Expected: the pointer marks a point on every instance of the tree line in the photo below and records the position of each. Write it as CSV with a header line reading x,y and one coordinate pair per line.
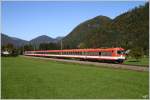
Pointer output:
x,y
14,51
135,53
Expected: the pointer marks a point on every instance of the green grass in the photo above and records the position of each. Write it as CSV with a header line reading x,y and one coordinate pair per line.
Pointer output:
x,y
142,62
35,78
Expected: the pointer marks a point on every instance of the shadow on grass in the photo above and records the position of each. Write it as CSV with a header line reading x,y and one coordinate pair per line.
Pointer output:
x,y
133,61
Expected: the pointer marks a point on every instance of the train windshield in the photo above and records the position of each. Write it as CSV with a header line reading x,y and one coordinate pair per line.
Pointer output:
x,y
121,52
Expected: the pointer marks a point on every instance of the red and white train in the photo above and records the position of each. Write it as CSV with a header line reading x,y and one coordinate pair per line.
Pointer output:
x,y
102,54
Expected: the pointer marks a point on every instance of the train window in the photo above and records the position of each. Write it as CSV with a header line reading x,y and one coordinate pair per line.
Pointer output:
x,y
82,53
94,53
79,53
121,52
87,53
106,53
49,53
76,53
90,53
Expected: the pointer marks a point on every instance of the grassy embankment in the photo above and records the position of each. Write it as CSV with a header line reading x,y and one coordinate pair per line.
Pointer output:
x,y
36,78
141,62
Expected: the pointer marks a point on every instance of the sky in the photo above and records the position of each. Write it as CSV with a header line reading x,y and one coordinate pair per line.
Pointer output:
x,y
29,19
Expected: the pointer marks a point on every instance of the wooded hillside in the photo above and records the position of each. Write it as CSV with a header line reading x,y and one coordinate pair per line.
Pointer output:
x,y
128,30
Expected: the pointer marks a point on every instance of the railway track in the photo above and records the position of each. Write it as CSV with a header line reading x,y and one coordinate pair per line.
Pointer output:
x,y
97,64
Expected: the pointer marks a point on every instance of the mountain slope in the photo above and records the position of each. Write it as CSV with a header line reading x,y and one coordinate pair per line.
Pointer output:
x,y
5,39
80,33
128,30
44,39
133,27
41,39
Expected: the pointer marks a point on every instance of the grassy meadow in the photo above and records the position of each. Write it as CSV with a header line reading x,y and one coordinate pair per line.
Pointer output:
x,y
36,78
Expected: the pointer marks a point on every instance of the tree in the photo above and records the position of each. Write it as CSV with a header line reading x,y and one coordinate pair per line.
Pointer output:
x,y
28,47
48,46
11,49
81,46
136,53
43,46
15,52
8,47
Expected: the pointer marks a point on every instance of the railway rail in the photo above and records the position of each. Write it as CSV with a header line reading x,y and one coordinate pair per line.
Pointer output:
x,y
97,64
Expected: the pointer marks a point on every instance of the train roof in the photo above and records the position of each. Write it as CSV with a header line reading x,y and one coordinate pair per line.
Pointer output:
x,y
81,50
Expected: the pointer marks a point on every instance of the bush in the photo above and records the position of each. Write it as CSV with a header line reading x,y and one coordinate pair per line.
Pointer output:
x,y
136,53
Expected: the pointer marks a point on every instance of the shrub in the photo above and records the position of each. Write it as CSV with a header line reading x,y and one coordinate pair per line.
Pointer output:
x,y
136,53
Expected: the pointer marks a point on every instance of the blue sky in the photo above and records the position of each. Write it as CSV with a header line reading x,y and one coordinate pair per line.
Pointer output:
x,y
29,19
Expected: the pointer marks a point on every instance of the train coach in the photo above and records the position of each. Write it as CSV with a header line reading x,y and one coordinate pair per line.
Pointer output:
x,y
102,54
